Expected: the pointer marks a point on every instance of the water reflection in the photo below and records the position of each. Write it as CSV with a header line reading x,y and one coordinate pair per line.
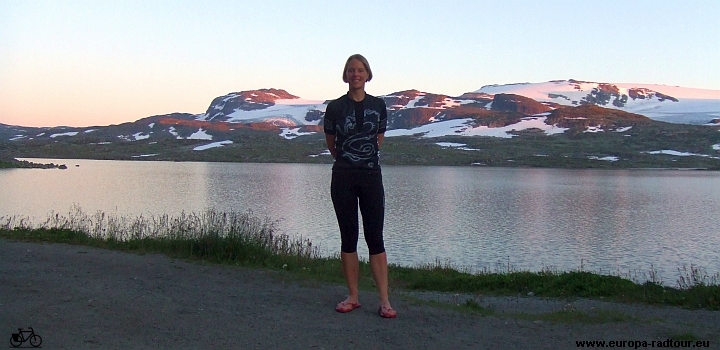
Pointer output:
x,y
116,187
607,221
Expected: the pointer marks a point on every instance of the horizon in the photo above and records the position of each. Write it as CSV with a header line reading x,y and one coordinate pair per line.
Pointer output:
x,y
91,63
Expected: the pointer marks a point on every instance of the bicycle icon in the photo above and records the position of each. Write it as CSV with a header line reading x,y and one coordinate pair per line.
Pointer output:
x,y
18,338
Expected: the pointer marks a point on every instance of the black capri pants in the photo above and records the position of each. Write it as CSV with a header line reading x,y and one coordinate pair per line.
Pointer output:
x,y
350,187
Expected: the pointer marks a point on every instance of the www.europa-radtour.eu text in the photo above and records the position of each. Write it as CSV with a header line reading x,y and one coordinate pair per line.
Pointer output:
x,y
637,344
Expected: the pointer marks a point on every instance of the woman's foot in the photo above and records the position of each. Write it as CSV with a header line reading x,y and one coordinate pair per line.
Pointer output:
x,y
347,305
386,311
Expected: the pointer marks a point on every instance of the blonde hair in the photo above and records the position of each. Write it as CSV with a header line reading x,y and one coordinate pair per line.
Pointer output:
x,y
362,60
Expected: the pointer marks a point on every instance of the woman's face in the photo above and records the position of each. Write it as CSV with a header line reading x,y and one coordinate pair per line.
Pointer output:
x,y
356,74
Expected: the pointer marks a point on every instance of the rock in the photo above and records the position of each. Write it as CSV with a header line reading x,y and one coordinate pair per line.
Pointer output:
x,y
517,103
588,115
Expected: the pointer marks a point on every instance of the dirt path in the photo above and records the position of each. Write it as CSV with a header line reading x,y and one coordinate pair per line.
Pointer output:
x,y
80,297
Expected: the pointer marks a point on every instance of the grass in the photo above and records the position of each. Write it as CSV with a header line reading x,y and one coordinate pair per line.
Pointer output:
x,y
239,238
572,316
246,240
688,336
470,305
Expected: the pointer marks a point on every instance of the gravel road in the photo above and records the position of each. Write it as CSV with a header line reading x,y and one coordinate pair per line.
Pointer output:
x,y
78,297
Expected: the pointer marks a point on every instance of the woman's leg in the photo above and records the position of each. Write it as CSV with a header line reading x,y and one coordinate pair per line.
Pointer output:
x,y
378,265
346,209
351,269
372,207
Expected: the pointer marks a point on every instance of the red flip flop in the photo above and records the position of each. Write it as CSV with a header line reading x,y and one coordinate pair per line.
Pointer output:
x,y
344,307
387,312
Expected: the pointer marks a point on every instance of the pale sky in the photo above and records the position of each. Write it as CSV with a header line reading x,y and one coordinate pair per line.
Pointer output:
x,y
97,62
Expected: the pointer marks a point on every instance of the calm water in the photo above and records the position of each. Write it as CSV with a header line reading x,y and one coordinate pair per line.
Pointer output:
x,y
608,221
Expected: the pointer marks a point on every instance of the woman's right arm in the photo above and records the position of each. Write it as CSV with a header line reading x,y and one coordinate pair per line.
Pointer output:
x,y
329,127
330,140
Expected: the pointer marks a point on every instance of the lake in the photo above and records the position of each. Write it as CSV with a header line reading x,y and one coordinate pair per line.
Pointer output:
x,y
609,221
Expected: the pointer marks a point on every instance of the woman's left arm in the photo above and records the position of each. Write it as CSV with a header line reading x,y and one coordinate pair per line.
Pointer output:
x,y
383,123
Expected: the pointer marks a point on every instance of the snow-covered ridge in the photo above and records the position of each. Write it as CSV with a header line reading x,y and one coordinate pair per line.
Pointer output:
x,y
660,102
539,91
265,105
418,99
413,112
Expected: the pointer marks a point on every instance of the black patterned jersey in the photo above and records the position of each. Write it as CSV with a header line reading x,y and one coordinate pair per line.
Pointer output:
x,y
356,126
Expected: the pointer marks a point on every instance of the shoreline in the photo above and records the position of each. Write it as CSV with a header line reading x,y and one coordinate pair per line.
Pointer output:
x,y
55,166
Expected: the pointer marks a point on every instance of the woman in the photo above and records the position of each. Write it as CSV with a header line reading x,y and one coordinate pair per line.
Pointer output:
x,y
354,129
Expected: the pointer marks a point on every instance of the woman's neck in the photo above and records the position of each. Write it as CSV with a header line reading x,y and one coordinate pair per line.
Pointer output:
x,y
357,94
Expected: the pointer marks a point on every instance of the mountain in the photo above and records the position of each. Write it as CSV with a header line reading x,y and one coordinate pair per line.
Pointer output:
x,y
410,112
259,124
659,102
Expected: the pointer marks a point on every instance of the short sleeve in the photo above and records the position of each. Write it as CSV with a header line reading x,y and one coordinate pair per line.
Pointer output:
x,y
329,119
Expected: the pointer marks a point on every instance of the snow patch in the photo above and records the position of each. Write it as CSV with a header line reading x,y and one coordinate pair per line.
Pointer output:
x,y
291,110
200,135
466,127
146,155
134,137
449,144
450,103
325,153
716,147
672,153
69,133
623,129
290,134
140,136
212,145
594,129
680,154
459,146
444,104
608,158
297,102
417,99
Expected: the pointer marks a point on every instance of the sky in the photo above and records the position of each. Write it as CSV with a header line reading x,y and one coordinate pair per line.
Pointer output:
x,y
99,62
